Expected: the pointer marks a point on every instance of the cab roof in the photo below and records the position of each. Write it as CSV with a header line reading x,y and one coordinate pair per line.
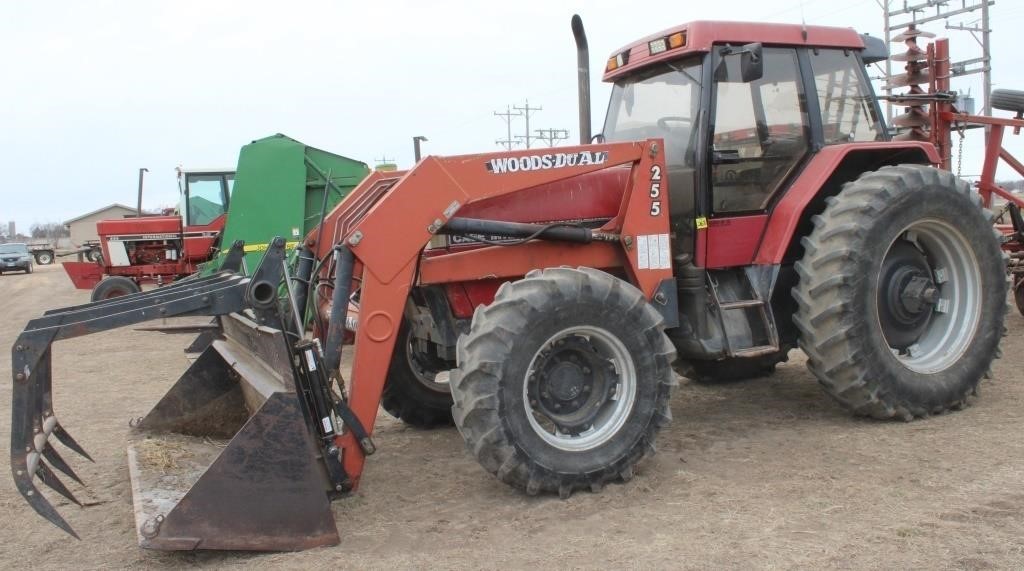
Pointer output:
x,y
701,35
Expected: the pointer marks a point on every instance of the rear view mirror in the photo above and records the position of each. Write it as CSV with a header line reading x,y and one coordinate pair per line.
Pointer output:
x,y
751,62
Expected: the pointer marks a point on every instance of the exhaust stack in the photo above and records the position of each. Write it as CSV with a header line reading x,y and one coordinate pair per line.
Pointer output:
x,y
582,76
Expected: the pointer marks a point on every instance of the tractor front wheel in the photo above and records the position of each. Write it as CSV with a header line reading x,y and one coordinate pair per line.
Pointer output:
x,y
563,381
114,286
902,293
417,391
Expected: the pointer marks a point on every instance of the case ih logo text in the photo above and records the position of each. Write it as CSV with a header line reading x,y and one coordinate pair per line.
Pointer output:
x,y
547,161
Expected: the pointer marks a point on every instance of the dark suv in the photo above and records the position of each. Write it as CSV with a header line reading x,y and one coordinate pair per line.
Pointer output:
x,y
15,257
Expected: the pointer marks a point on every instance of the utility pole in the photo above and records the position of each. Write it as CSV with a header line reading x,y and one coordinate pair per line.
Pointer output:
x,y
416,146
138,212
525,111
985,45
552,136
384,164
508,141
932,10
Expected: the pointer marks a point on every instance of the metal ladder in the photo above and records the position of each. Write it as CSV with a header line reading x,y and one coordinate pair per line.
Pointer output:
x,y
764,310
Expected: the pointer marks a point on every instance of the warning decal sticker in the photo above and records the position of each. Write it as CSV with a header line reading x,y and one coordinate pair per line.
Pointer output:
x,y
653,252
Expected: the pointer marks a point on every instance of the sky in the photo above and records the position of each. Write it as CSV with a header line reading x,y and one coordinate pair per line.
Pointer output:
x,y
93,90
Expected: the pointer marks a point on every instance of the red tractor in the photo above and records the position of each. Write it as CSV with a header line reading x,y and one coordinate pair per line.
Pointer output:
x,y
743,198
158,249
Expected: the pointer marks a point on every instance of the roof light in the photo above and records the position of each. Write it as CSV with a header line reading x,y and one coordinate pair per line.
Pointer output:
x,y
617,61
676,40
660,45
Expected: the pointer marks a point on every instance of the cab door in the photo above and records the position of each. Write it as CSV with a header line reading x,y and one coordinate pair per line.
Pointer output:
x,y
760,135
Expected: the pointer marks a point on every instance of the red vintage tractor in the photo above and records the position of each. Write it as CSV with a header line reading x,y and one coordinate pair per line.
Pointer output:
x,y
158,249
743,198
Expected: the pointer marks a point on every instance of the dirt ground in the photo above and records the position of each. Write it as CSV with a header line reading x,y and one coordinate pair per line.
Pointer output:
x,y
764,474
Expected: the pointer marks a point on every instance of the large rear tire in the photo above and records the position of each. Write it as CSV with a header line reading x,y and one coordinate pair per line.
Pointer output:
x,y
1018,293
415,392
114,286
563,381
902,293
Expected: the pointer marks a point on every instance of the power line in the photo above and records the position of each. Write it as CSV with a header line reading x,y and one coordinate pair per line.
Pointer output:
x,y
552,136
525,111
508,141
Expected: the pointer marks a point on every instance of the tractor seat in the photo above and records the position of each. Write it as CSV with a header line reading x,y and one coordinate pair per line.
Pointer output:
x,y
1008,100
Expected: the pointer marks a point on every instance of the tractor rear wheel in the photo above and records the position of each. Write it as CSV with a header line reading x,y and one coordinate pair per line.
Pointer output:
x,y
563,381
707,372
114,286
417,391
1018,293
902,293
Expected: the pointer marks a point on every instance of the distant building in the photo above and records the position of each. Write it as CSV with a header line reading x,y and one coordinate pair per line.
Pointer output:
x,y
83,228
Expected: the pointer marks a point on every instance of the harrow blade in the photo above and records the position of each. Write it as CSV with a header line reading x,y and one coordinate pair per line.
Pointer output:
x,y
913,118
911,34
907,79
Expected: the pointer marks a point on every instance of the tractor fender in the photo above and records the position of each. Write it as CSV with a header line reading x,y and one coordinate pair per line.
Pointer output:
x,y
822,177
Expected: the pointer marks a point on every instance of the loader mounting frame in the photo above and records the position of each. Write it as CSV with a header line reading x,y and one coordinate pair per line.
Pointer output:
x,y
386,264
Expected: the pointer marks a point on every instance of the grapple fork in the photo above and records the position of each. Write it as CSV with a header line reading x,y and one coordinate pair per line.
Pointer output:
x,y
272,428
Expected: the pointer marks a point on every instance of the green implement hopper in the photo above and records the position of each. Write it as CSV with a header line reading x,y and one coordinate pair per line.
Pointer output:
x,y
279,191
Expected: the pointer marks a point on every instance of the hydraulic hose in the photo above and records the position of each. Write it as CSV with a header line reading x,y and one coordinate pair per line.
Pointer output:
x,y
345,261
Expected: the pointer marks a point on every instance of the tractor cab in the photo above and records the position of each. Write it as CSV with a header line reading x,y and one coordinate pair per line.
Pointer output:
x,y
741,111
204,194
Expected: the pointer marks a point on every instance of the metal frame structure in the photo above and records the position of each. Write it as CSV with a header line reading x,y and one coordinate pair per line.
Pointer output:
x,y
426,199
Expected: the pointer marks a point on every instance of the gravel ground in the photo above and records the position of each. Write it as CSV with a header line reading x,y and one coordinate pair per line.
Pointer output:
x,y
763,474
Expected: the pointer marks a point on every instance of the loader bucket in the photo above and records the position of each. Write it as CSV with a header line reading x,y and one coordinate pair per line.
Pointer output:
x,y
225,459
230,457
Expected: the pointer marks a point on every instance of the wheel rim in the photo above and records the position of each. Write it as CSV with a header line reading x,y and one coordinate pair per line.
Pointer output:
x,y
579,388
429,370
117,292
45,259
929,296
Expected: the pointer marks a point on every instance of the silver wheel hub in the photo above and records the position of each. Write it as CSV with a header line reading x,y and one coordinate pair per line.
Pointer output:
x,y
929,296
580,388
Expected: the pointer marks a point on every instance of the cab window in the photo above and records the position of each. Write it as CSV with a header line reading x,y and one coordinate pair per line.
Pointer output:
x,y
761,131
205,198
848,112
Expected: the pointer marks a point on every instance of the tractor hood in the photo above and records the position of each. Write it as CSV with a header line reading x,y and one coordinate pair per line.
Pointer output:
x,y
140,226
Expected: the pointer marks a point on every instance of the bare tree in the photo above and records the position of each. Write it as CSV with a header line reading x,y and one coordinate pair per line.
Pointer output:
x,y
49,230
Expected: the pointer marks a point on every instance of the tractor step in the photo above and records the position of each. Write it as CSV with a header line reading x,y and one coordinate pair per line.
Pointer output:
x,y
742,304
755,351
747,292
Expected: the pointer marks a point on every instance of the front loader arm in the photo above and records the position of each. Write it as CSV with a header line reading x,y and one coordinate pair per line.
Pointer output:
x,y
385,224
